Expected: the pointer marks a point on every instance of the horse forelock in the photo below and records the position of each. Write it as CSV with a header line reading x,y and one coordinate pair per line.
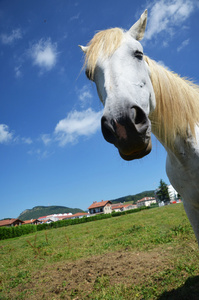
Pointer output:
x,y
103,44
177,104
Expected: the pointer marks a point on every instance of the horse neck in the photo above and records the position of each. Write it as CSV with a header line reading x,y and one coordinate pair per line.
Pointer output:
x,y
177,105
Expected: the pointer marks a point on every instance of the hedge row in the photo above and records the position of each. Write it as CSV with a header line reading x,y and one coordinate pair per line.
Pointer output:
x,y
11,232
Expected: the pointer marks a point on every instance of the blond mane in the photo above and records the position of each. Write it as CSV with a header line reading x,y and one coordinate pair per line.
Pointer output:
x,y
104,44
177,104
177,99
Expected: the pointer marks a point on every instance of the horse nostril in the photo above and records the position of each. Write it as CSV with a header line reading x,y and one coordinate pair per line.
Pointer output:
x,y
138,115
139,120
108,130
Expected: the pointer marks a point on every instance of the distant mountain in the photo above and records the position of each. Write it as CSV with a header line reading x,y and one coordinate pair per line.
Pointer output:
x,y
133,198
40,211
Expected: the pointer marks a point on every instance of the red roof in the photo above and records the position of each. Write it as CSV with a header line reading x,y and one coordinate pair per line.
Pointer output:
x,y
79,214
99,204
117,206
146,199
41,218
131,204
62,217
9,222
120,205
31,221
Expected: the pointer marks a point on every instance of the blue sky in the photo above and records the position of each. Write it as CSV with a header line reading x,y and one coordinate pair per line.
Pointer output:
x,y
51,148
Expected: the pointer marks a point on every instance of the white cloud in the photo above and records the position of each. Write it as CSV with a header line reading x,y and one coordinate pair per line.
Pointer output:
x,y
18,72
40,154
5,135
44,54
27,141
8,136
75,17
76,124
84,95
46,139
184,44
9,39
165,16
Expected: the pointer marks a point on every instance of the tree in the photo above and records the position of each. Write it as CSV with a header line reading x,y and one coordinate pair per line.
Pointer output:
x,y
162,192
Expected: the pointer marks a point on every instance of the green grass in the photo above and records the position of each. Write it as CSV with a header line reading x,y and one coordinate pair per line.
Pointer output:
x,y
164,232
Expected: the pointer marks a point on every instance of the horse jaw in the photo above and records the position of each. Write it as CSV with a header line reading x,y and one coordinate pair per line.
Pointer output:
x,y
138,29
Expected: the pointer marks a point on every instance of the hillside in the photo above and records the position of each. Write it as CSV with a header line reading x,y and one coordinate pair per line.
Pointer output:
x,y
39,211
133,198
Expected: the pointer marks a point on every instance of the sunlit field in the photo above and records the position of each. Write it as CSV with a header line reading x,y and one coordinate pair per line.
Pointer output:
x,y
151,254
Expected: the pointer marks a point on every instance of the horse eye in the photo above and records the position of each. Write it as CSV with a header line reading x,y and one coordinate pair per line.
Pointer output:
x,y
88,74
138,54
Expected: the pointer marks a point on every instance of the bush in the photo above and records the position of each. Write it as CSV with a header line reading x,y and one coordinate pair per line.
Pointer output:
x,y
15,231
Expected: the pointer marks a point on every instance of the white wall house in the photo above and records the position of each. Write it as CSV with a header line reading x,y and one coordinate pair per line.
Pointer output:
x,y
146,201
173,194
122,207
100,207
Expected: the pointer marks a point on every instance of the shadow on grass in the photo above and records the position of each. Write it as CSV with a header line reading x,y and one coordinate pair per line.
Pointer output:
x,y
190,290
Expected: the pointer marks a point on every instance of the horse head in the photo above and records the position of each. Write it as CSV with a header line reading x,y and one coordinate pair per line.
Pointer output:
x,y
114,61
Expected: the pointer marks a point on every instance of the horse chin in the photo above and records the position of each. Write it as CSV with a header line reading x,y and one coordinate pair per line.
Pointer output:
x,y
137,154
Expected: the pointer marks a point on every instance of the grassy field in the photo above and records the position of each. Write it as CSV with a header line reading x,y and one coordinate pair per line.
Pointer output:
x,y
151,254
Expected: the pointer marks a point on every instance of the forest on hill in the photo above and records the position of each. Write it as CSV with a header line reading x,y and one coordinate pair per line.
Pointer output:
x,y
39,211
133,198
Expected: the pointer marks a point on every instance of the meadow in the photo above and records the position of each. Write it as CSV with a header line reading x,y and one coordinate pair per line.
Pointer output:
x,y
151,254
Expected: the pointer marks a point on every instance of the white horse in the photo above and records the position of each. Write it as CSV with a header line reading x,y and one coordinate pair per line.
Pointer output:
x,y
140,96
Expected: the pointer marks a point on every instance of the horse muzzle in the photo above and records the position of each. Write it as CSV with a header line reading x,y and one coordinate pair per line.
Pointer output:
x,y
130,133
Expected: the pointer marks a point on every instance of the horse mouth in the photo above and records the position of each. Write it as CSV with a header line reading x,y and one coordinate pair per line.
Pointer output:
x,y
137,154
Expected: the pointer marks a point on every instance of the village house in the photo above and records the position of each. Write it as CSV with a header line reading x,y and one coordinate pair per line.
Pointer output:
x,y
32,221
11,222
42,219
129,206
117,207
107,207
45,219
100,207
54,217
122,207
58,217
146,201
79,215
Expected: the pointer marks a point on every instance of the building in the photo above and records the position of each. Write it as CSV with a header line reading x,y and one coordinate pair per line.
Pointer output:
x,y
32,221
146,201
54,217
173,194
11,222
129,206
78,215
122,207
42,219
100,207
117,207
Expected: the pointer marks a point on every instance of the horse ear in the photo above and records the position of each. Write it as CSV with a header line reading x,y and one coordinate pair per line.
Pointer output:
x,y
84,49
138,29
